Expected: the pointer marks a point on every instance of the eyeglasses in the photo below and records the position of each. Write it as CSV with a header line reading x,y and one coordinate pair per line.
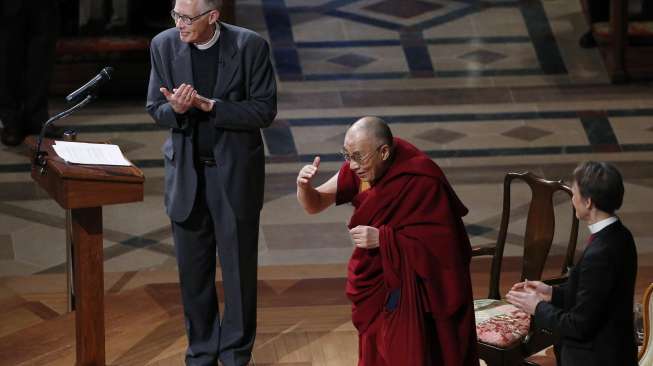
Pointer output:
x,y
357,157
185,18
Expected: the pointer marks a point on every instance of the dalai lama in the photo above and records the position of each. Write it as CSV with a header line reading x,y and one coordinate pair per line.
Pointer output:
x,y
408,277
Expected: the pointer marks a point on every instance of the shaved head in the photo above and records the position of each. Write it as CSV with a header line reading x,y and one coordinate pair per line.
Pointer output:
x,y
373,128
368,148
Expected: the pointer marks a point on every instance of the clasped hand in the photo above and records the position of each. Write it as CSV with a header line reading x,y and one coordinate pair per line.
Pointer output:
x,y
185,97
366,237
526,295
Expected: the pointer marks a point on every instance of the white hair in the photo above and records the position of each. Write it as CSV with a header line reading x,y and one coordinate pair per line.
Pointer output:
x,y
213,4
208,4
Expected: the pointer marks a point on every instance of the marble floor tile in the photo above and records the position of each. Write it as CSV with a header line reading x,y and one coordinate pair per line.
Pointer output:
x,y
306,236
293,213
308,29
138,260
6,247
402,14
303,256
633,130
17,268
463,27
496,134
9,222
251,13
39,245
500,22
381,60
489,93
137,218
316,140
477,57
107,118
304,3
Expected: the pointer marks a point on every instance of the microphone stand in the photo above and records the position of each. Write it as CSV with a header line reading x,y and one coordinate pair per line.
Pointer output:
x,y
39,157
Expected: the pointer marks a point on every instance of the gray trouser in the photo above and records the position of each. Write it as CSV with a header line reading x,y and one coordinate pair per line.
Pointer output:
x,y
212,224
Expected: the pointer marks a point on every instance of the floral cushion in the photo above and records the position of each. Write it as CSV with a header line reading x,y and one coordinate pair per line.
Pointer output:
x,y
499,323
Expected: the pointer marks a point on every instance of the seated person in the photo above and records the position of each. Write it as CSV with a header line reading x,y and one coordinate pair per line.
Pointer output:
x,y
408,277
592,313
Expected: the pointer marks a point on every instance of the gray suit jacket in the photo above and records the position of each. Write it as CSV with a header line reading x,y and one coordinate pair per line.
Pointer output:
x,y
245,95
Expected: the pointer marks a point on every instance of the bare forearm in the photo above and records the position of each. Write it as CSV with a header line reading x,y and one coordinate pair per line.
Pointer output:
x,y
315,200
310,199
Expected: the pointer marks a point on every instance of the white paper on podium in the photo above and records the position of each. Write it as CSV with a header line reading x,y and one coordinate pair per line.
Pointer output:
x,y
86,153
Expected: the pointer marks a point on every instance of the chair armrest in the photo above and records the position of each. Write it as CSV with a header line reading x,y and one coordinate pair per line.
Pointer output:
x,y
485,249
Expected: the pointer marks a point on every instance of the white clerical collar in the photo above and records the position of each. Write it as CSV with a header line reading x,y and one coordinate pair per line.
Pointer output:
x,y
211,42
598,226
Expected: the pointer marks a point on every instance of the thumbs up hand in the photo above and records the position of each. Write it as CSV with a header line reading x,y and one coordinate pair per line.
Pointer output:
x,y
307,173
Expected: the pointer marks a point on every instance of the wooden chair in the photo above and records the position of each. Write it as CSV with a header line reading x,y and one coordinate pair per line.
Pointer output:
x,y
626,45
538,238
646,353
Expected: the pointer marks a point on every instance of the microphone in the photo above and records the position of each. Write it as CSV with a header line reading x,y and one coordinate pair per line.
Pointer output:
x,y
91,87
81,97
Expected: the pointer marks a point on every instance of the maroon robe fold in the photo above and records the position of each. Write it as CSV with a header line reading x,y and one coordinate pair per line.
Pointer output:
x,y
423,257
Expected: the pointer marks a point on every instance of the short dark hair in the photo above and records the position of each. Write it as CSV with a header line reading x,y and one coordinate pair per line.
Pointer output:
x,y
602,183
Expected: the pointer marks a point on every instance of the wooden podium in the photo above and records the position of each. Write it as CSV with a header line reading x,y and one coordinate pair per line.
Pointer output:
x,y
84,189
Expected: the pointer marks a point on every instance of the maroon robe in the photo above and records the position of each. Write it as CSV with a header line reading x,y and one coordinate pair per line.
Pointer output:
x,y
423,258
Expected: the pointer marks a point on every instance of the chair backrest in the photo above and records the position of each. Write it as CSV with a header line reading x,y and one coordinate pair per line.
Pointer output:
x,y
540,229
646,353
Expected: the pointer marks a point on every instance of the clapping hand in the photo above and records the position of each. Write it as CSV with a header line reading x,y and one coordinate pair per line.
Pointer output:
x,y
526,295
543,290
183,98
180,99
202,103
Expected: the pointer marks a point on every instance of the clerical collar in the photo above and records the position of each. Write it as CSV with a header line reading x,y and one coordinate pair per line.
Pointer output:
x,y
598,226
211,42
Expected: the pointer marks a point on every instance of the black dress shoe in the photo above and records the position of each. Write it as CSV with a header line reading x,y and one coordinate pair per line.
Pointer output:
x,y
587,40
12,136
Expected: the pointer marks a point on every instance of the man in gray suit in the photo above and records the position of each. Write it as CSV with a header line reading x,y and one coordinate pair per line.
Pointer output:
x,y
213,85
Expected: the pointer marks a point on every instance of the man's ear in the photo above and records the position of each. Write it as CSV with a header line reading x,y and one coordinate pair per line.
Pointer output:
x,y
385,152
214,16
589,204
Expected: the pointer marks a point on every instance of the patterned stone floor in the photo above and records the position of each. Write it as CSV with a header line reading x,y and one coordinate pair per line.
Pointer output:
x,y
484,87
